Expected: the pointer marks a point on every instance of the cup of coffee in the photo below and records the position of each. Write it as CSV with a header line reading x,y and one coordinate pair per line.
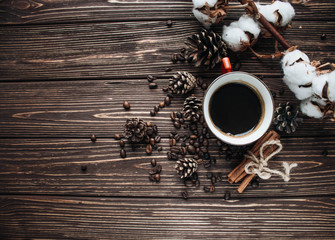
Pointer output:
x,y
238,108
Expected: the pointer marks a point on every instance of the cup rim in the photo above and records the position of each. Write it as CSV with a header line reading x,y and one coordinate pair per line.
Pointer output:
x,y
268,103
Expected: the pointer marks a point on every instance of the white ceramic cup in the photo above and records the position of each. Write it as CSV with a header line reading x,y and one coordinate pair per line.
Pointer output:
x,y
263,94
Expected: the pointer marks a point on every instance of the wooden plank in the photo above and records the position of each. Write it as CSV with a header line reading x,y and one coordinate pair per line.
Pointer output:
x,y
53,166
123,218
130,49
42,11
81,108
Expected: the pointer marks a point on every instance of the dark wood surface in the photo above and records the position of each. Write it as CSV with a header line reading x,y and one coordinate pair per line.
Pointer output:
x,y
65,69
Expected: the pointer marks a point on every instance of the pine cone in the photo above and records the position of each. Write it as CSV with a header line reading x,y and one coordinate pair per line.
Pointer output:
x,y
186,167
192,108
182,82
285,118
136,130
206,49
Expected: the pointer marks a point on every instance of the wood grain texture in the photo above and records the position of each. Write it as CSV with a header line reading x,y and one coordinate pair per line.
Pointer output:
x,y
42,11
75,109
28,217
53,167
131,49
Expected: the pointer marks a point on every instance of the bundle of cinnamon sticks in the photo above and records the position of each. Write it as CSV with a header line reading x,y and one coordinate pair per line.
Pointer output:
x,y
239,173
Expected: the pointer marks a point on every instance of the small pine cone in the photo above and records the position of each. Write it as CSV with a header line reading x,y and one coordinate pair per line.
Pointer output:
x,y
135,130
186,167
206,49
192,109
285,118
182,83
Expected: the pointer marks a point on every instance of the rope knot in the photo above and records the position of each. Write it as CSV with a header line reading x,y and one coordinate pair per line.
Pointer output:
x,y
259,166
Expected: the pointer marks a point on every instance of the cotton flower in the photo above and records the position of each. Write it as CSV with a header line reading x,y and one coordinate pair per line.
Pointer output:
x,y
292,57
237,34
209,12
319,84
312,107
300,93
278,13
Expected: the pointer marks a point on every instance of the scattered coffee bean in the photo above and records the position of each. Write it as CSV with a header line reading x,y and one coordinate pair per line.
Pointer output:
x,y
182,50
148,149
179,115
184,195
123,153
169,23
325,152
188,182
196,157
209,175
149,124
170,95
207,165
204,150
183,151
158,139
172,142
274,94
162,104
152,113
204,86
175,149
177,124
196,145
122,143
153,85
167,101
93,138
207,156
157,169
193,137
323,36
191,149
213,161
206,189
212,189
197,183
156,109
157,177
226,196
168,69
153,162
213,180
151,78
151,178
205,142
83,168
180,57
126,105
174,156
173,116
152,141
182,120
159,149
199,81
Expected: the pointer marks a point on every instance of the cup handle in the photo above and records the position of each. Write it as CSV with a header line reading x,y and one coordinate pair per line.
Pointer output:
x,y
225,65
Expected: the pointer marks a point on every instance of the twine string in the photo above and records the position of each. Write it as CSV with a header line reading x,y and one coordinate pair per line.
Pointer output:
x,y
260,167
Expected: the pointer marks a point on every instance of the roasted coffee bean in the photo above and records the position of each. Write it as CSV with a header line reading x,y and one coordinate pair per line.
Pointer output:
x,y
165,89
193,127
219,177
195,132
323,36
152,141
157,177
150,131
93,138
218,143
196,145
169,155
274,94
83,168
226,196
197,183
170,95
204,86
172,142
173,116
157,169
237,65
201,119
153,162
182,120
190,149
158,139
151,78
182,50
126,105
191,142
188,182
169,23
123,153
201,139
160,148
213,180
196,157
209,175
213,161
208,136
204,149
200,154
212,189
207,165
149,124
152,113
184,195
199,81
180,57
197,150
168,69
204,131
177,137
122,143
179,115
156,109
205,142
177,124
174,156
167,101
162,104
175,149
195,176
206,189
205,125
193,137
325,152
153,85
207,156
183,151
148,149
183,144
151,178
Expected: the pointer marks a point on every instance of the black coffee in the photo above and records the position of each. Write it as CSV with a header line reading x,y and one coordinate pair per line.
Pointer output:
x,y
235,109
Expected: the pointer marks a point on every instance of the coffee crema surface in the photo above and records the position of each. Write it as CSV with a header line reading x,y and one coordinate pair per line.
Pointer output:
x,y
235,109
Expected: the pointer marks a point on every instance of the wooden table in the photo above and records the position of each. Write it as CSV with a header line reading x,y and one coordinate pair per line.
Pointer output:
x,y
65,69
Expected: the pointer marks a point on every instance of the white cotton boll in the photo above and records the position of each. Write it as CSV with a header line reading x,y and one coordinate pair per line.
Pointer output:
x,y
291,57
234,38
286,11
268,12
311,110
300,93
248,24
203,18
200,3
300,73
331,86
319,82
